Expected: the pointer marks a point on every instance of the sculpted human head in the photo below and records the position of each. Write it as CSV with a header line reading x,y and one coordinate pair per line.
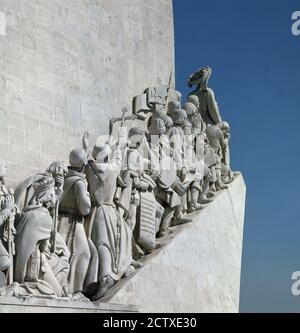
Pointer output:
x,y
200,78
102,153
190,109
78,158
45,191
57,168
193,99
136,136
168,121
157,127
179,117
225,127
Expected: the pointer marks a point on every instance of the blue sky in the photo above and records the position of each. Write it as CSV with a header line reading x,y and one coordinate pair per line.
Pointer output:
x,y
256,79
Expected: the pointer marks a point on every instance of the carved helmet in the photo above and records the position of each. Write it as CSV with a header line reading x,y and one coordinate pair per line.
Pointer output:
x,y
78,158
194,99
179,117
101,151
136,135
157,127
190,109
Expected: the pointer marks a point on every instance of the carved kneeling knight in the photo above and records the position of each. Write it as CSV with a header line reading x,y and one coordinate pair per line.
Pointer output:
x,y
37,271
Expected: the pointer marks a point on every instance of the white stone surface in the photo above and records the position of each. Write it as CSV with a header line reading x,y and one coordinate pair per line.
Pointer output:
x,y
2,24
40,305
68,66
198,268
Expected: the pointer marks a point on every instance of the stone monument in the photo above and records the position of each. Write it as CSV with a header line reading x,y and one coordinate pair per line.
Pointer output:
x,y
147,217
69,66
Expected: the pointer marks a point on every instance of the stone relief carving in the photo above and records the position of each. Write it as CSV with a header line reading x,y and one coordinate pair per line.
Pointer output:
x,y
78,230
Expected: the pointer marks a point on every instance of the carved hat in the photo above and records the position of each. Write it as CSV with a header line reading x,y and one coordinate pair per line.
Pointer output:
x,y
57,167
101,151
179,117
190,109
78,158
173,106
194,99
157,127
136,131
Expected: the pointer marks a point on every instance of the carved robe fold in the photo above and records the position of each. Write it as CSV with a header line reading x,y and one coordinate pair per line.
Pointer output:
x,y
74,206
34,228
108,230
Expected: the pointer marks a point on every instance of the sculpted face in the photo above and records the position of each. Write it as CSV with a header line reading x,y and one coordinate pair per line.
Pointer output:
x,y
200,78
137,139
102,153
3,169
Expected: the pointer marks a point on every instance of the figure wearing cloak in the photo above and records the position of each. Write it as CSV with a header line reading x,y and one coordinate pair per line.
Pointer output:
x,y
108,230
208,107
218,137
197,170
136,196
24,193
75,204
33,260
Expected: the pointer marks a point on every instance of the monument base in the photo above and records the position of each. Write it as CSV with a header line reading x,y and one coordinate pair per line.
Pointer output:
x,y
2,280
197,268
46,305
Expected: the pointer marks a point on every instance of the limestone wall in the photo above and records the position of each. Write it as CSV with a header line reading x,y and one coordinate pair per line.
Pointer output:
x,y
198,267
69,65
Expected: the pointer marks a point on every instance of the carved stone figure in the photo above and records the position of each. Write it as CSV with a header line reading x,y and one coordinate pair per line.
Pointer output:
x,y
178,144
206,156
196,169
191,108
39,271
75,204
164,171
216,139
80,229
7,230
137,199
109,232
24,193
174,101
227,174
208,106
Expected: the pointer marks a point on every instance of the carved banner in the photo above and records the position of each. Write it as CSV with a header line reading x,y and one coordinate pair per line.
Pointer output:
x,y
146,230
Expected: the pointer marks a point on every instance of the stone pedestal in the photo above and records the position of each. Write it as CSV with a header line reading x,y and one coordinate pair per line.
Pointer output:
x,y
44,305
2,280
197,268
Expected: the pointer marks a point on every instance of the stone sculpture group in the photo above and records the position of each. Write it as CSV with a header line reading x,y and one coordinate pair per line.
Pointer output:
x,y
78,230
